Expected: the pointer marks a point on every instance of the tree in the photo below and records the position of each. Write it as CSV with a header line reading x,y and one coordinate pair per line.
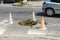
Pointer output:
x,y
57,1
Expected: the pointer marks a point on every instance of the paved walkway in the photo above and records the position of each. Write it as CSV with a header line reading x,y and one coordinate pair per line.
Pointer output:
x,y
36,4
33,4
18,32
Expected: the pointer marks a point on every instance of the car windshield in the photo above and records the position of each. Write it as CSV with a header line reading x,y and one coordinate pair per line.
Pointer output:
x,y
58,1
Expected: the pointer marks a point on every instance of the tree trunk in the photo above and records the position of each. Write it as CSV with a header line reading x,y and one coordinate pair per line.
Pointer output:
x,y
24,1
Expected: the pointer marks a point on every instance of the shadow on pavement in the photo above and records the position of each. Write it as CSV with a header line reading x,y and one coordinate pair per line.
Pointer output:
x,y
43,14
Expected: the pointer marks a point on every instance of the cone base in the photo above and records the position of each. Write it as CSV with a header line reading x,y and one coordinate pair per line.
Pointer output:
x,y
44,28
11,22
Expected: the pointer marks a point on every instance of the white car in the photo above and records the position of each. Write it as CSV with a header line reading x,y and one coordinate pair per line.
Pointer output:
x,y
51,7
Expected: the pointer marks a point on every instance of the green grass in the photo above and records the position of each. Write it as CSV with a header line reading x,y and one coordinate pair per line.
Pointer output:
x,y
19,3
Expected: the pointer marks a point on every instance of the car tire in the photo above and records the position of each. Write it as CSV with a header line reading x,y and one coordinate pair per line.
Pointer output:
x,y
50,12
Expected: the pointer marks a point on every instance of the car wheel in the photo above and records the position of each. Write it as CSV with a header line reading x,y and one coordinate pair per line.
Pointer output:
x,y
50,12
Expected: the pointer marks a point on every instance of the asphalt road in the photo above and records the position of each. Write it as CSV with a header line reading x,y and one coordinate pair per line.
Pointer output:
x,y
19,14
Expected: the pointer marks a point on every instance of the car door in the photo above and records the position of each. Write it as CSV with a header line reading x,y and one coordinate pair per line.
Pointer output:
x,y
56,6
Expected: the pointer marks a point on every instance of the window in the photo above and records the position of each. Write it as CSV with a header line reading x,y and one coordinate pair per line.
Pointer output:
x,y
58,1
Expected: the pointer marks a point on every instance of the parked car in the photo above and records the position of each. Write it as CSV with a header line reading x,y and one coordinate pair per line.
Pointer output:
x,y
51,7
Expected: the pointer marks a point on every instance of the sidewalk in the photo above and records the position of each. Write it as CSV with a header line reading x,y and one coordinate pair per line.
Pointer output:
x,y
18,32
36,4
33,4
6,5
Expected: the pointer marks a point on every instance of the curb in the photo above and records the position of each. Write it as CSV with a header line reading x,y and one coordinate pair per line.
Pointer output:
x,y
21,6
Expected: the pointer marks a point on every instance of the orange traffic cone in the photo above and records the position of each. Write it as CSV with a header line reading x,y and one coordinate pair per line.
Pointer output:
x,y
42,26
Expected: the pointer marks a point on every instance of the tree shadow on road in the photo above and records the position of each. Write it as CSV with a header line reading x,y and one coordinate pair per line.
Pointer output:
x,y
43,14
